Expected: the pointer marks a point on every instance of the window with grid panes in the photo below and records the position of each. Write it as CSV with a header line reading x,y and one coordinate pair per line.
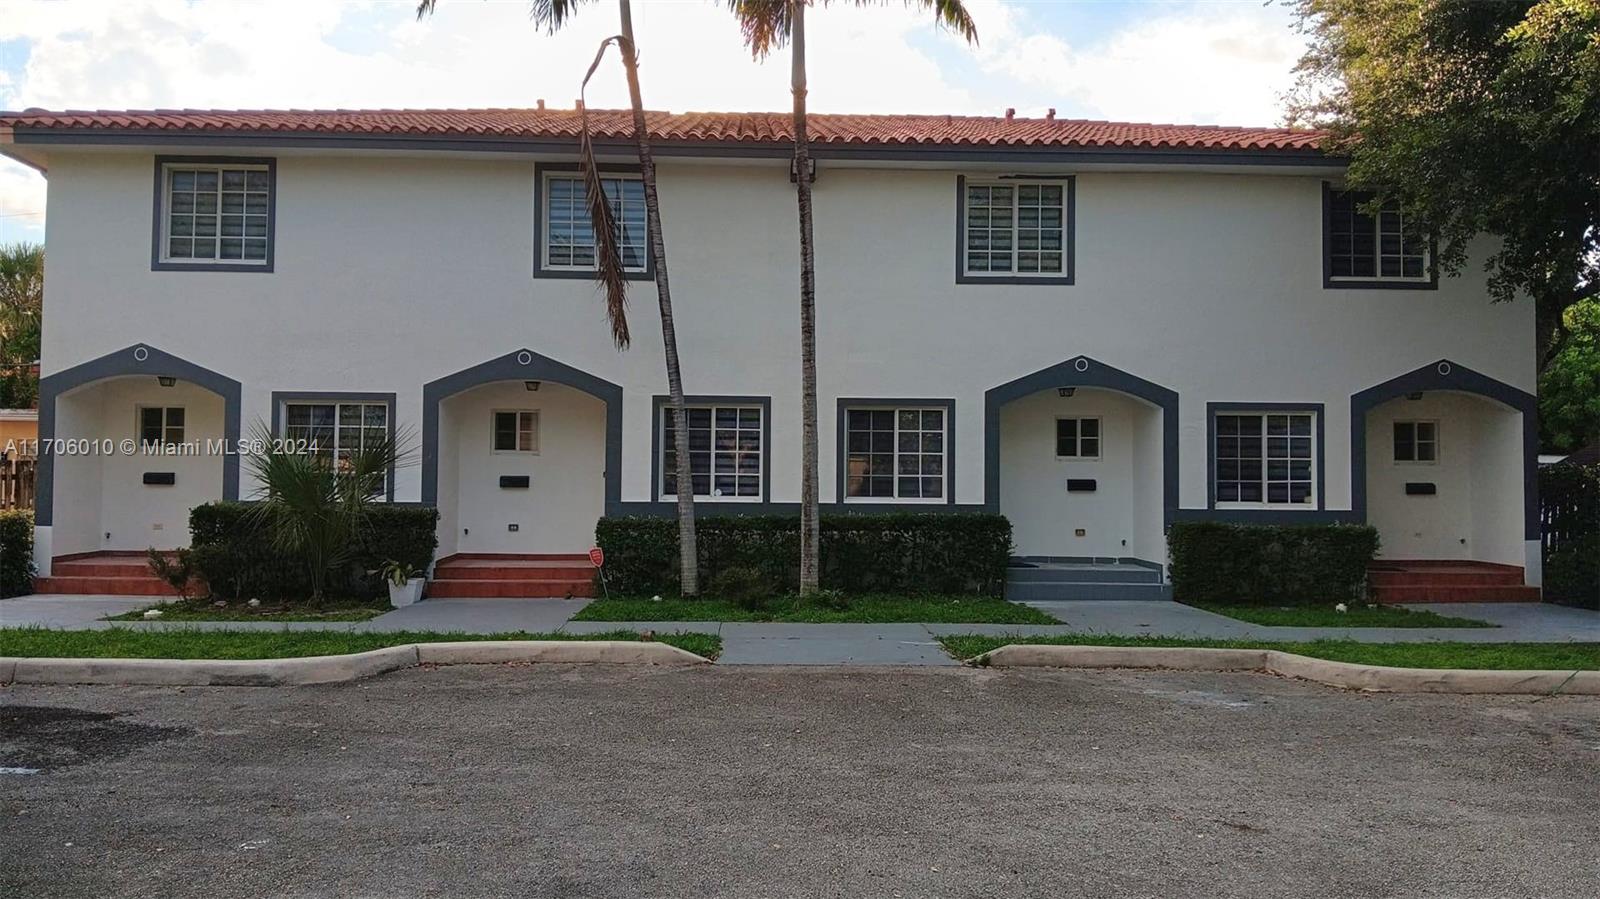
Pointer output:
x,y
1365,247
516,431
1078,438
333,431
160,425
1015,228
1265,458
724,452
895,453
569,231
216,214
1416,441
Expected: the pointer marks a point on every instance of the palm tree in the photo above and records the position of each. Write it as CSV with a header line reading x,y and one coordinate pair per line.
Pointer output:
x,y
768,24
551,15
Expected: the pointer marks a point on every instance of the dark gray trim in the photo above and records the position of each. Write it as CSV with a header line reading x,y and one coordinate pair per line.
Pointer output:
x,y
1268,516
1288,513
159,204
754,149
949,407
1447,375
521,365
666,510
659,402
1331,283
540,170
139,359
1082,371
1071,238
279,397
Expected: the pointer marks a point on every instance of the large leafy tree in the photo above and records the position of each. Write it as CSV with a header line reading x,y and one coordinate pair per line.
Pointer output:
x,y
1569,389
551,15
21,317
1478,116
767,25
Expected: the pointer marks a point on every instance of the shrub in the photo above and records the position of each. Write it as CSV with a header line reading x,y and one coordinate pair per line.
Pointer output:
x,y
908,553
746,587
1572,573
16,552
1254,564
237,561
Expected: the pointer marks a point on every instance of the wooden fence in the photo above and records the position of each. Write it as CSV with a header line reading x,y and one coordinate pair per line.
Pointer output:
x,y
16,481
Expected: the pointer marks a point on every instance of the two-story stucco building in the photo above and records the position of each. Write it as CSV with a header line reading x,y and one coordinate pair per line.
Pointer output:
x,y
1094,328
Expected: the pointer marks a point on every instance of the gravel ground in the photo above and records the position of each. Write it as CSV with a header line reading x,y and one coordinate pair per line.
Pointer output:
x,y
767,782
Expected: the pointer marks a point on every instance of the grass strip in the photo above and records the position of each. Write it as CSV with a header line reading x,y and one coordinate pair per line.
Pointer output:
x,y
1495,656
1328,616
866,609
173,643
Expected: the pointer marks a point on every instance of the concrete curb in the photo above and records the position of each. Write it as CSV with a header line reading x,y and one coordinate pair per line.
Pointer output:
x,y
1346,675
336,669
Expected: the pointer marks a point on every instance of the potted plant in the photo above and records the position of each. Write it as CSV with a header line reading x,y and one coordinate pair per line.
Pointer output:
x,y
405,583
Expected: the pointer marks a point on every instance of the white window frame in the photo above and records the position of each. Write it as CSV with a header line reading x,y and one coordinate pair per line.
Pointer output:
x,y
166,427
1064,184
663,415
1377,236
1394,449
583,215
1099,438
944,455
165,256
532,430
1311,501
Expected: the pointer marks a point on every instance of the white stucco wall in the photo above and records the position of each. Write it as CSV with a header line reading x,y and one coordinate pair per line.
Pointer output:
x,y
394,270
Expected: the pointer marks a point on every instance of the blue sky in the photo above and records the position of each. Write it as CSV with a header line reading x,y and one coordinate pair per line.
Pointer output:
x,y
1223,61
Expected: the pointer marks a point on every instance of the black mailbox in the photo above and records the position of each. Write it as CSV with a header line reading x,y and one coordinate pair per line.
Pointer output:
x,y
1081,485
1421,488
160,478
513,482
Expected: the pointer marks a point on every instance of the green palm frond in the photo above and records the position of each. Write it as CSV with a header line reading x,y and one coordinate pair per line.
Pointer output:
x,y
768,24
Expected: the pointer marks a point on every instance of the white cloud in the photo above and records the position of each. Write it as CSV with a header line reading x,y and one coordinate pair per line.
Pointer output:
x,y
1181,65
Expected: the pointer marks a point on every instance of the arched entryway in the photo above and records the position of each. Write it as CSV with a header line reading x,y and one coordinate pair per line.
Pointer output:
x,y
138,438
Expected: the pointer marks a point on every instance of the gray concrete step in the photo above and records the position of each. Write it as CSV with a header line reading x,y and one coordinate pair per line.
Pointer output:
x,y
1066,590
1083,574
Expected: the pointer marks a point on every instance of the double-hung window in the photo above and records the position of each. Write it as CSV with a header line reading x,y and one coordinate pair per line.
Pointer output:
x,y
160,425
1416,441
335,431
1265,459
569,240
895,453
516,431
214,214
1016,230
1373,247
1078,438
725,452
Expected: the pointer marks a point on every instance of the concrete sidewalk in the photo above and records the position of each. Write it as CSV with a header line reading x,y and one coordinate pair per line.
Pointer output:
x,y
776,643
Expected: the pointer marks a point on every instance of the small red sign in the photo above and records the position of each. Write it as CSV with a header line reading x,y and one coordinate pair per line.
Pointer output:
x,y
597,557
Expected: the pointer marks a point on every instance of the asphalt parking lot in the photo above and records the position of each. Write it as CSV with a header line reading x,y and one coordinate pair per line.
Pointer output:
x,y
775,782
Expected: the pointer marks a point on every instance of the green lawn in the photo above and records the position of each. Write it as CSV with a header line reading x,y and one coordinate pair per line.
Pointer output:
x,y
200,610
129,643
1503,656
870,609
1327,616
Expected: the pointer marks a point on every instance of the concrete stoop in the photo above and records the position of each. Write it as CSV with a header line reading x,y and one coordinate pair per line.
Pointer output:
x,y
335,669
1346,675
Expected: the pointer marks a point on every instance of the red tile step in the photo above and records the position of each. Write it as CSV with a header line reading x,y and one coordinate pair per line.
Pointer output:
x,y
1417,581
526,576
110,573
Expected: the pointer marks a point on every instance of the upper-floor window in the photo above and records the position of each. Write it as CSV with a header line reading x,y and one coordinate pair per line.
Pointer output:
x,y
1016,230
1265,459
1368,247
214,214
569,241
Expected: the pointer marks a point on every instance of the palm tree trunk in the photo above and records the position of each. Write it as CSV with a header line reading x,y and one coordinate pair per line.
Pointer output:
x,y
810,526
688,554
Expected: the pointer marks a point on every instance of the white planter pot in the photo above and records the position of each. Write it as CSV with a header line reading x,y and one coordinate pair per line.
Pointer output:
x,y
407,593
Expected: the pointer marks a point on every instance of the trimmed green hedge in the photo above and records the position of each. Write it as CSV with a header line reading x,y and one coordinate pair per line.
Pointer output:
x,y
908,553
1256,564
237,561
1569,500
16,552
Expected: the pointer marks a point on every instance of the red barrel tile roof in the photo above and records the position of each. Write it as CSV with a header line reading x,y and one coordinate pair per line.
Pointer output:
x,y
688,127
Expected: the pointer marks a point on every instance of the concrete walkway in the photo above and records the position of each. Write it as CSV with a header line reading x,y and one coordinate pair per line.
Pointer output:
x,y
841,644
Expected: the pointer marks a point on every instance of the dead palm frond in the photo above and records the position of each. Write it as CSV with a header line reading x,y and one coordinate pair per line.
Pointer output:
x,y
609,269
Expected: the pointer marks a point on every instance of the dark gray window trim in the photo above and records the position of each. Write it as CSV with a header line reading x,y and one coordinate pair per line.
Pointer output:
x,y
280,397
521,365
160,203
947,404
1331,283
1447,375
540,170
659,402
1071,236
752,149
1082,371
139,359
735,510
1286,514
